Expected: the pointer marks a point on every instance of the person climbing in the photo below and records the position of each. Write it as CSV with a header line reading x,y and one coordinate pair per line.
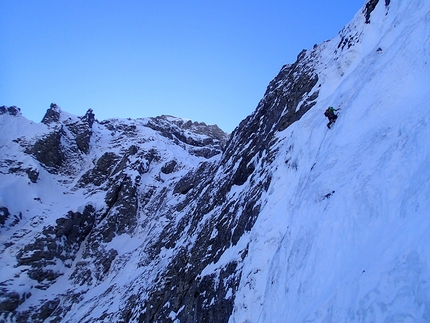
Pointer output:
x,y
331,115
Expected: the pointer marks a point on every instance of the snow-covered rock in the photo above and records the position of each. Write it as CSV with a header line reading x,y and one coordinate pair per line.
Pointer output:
x,y
168,220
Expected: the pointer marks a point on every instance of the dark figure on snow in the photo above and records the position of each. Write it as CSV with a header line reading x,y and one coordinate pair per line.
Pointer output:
x,y
331,115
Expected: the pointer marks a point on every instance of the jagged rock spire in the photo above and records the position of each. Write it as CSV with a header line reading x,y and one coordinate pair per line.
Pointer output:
x,y
52,114
90,117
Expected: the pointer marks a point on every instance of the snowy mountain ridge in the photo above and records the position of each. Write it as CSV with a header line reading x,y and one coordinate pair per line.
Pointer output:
x,y
166,220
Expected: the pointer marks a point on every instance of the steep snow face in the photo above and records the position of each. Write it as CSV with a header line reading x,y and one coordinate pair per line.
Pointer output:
x,y
343,235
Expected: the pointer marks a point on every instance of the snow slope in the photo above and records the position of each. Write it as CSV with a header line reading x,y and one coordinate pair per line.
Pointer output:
x,y
344,235
166,220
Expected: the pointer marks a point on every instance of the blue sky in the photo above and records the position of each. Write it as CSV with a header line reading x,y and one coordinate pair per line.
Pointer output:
x,y
207,61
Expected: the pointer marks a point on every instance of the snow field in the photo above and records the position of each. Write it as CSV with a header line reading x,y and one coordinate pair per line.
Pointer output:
x,y
344,234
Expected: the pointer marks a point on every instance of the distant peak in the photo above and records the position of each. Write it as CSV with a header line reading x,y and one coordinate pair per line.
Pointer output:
x,y
13,110
89,117
52,114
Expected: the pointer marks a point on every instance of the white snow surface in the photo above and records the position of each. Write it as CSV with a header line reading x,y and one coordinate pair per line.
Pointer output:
x,y
344,234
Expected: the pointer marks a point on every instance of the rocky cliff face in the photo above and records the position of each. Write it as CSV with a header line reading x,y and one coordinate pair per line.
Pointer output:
x,y
120,179
184,192
149,220
184,210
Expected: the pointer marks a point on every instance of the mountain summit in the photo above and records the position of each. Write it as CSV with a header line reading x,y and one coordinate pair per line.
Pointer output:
x,y
168,220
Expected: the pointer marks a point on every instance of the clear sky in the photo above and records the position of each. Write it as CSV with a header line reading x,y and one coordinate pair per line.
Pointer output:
x,y
207,61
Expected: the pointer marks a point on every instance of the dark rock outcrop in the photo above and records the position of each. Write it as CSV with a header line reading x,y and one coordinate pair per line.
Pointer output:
x,y
52,115
56,243
101,172
33,174
370,6
13,110
89,117
48,151
199,138
60,149
9,301
169,167
4,215
82,132
8,220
